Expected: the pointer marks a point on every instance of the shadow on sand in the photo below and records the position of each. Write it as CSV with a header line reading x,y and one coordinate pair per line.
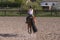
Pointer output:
x,y
8,35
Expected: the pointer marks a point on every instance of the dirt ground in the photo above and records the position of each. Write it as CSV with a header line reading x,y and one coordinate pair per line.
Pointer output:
x,y
15,28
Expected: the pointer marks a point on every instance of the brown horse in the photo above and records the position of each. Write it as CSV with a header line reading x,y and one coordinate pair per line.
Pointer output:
x,y
31,24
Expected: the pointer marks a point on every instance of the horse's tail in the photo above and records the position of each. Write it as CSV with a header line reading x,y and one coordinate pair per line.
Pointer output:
x,y
34,27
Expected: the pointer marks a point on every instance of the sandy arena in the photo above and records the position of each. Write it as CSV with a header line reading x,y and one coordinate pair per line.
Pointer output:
x,y
15,28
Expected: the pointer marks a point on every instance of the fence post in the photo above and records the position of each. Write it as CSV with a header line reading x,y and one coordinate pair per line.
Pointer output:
x,y
51,10
56,12
5,13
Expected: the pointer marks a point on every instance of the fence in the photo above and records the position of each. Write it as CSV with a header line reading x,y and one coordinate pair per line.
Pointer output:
x,y
18,12
54,13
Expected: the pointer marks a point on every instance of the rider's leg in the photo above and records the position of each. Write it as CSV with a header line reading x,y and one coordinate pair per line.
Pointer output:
x,y
27,19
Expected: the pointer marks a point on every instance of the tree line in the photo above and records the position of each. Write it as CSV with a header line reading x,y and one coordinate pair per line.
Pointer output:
x,y
20,3
10,3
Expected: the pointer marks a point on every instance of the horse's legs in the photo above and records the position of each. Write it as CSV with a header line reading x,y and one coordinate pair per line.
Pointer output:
x,y
29,28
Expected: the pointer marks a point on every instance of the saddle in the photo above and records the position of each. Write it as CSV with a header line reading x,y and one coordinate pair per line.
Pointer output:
x,y
29,19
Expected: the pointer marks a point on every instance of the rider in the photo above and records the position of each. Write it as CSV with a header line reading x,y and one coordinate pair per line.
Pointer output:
x,y
30,13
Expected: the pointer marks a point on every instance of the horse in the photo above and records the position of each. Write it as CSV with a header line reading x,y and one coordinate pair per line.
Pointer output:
x,y
31,24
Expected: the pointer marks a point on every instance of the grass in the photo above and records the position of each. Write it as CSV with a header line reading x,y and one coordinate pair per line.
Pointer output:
x,y
48,14
41,14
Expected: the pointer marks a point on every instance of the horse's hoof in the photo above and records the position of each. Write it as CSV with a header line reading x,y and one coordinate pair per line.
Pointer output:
x,y
29,32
